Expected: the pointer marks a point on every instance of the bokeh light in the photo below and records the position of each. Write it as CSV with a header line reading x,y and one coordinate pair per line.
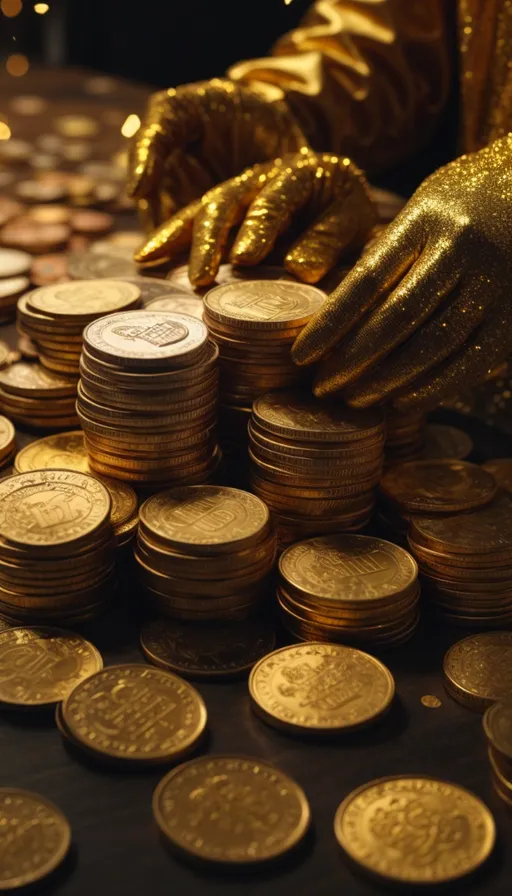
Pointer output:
x,y
17,65
131,125
41,8
5,131
11,8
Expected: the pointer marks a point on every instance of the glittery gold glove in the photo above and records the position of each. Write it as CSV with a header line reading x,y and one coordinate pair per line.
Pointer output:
x,y
326,196
427,309
198,135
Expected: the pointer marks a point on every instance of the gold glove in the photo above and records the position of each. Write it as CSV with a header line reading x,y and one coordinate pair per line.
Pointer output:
x,y
427,309
329,193
198,135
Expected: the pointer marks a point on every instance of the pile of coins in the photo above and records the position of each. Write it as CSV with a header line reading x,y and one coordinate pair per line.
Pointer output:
x,y
255,323
205,552
56,547
315,464
465,564
53,317
147,398
498,731
35,397
67,451
14,266
405,435
7,442
349,588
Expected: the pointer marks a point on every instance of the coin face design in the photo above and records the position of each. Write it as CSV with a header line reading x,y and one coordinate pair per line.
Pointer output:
x,y
136,713
431,485
264,303
320,687
182,304
40,666
481,667
349,568
51,507
485,530
415,829
205,515
34,837
123,497
146,336
63,451
498,727
84,299
34,378
232,810
292,414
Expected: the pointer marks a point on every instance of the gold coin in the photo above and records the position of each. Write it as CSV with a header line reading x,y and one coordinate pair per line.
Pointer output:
x,y
34,837
501,470
123,498
206,519
7,437
32,380
231,810
294,416
146,338
65,451
320,688
486,530
478,669
136,713
438,485
497,724
264,305
40,666
81,300
415,830
183,304
51,507
447,441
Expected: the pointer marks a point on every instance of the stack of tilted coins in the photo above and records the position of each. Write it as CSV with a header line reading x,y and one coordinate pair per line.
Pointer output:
x,y
255,323
205,552
465,564
54,317
7,442
315,464
56,547
67,451
147,398
405,435
498,731
36,397
349,588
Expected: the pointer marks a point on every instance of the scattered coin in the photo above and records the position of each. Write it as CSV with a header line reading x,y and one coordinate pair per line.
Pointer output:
x,y
91,222
13,263
35,837
48,269
478,670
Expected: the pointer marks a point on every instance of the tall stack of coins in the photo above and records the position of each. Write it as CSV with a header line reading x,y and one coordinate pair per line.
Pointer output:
x,y
349,588
205,552
255,323
498,731
36,397
147,398
405,435
56,547
315,464
7,442
465,562
54,317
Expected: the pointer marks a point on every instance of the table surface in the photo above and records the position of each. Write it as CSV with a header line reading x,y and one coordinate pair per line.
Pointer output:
x,y
116,847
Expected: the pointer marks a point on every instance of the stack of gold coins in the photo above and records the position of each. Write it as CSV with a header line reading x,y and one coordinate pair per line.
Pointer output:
x,y
54,317
405,435
147,398
349,588
315,464
205,552
56,547
498,731
7,442
465,562
255,323
67,451
35,397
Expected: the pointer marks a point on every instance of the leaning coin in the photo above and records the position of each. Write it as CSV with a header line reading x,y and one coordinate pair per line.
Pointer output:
x,y
319,688
478,669
34,837
231,810
387,828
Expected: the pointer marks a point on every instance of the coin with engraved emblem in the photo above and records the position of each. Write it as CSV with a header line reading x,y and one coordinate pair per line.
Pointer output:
x,y
231,810
264,304
293,415
318,688
485,530
64,451
40,666
478,670
415,830
83,300
35,837
146,338
442,486
135,713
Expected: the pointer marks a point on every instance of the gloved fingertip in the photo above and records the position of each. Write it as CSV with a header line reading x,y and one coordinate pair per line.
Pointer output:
x,y
303,269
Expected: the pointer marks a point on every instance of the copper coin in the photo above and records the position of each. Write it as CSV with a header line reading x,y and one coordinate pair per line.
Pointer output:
x,y
87,221
9,209
48,269
49,214
34,237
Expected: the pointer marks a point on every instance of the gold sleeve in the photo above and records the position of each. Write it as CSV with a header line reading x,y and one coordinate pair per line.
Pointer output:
x,y
363,77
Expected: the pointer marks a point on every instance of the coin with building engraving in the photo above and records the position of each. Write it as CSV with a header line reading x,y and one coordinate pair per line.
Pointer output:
x,y
63,450
478,669
40,666
318,688
34,837
294,415
145,338
438,486
231,810
135,713
415,830
264,304
51,507
84,299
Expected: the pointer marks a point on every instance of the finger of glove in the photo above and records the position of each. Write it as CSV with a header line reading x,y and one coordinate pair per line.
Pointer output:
x,y
374,275
425,285
171,238
442,335
270,214
488,346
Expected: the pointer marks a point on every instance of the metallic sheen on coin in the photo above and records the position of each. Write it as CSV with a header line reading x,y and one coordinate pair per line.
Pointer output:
x,y
34,837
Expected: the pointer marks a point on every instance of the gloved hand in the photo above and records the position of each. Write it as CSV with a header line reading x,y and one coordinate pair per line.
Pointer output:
x,y
427,309
328,192
198,135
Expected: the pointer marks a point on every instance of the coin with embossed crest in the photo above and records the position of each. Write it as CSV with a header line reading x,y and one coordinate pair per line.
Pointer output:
x,y
294,415
264,304
438,486
34,837
319,688
146,338
231,810
478,669
135,713
415,830
63,450
40,666
83,300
